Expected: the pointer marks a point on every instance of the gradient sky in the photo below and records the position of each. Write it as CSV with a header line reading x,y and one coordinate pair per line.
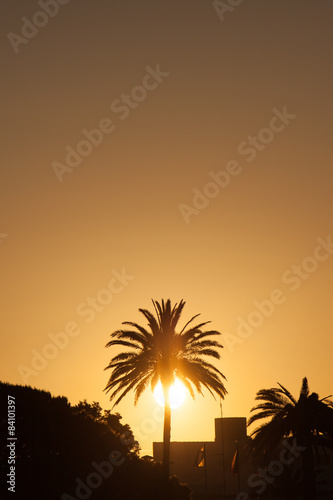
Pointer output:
x,y
60,242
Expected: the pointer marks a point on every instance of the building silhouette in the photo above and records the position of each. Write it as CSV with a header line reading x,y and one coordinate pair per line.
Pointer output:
x,y
214,476
222,469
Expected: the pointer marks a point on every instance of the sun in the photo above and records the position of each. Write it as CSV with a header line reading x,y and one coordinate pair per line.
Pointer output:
x,y
177,394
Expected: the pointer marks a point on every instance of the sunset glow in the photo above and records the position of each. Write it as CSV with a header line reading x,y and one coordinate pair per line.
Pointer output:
x,y
156,150
177,394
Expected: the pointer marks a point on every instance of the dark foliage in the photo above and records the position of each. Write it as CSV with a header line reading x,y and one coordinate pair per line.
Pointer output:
x,y
60,447
307,420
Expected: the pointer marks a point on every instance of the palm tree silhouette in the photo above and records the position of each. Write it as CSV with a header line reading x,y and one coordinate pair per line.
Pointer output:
x,y
159,353
309,420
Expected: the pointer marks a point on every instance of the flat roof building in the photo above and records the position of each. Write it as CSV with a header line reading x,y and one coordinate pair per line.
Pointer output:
x,y
221,469
214,474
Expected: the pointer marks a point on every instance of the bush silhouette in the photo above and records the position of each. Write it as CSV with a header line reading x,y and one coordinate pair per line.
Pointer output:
x,y
58,444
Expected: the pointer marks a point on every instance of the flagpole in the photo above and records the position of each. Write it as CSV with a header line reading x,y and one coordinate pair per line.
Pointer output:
x,y
201,461
205,463
238,474
223,457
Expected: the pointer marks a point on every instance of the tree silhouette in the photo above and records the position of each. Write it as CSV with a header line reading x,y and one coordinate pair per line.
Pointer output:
x,y
309,420
95,412
59,447
160,353
55,444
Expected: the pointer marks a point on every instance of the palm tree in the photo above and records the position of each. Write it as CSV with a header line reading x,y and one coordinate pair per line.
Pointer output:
x,y
160,353
309,420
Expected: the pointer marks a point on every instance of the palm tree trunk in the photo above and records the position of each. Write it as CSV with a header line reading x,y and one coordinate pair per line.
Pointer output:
x,y
304,438
309,481
166,439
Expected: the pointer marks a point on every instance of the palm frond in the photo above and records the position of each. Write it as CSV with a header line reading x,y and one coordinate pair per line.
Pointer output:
x,y
124,343
159,352
305,388
287,393
186,324
131,336
123,356
195,332
199,344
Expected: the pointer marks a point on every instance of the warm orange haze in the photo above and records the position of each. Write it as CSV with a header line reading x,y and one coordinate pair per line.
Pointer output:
x,y
155,150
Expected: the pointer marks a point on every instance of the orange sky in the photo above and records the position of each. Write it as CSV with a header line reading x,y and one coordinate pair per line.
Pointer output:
x,y
178,93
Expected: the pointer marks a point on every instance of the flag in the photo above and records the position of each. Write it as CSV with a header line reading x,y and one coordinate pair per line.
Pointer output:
x,y
200,460
235,464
